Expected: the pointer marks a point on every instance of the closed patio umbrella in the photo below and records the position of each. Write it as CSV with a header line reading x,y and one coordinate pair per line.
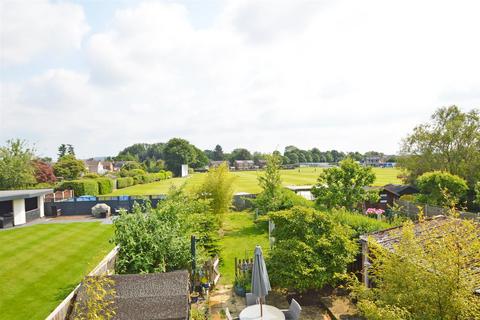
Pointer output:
x,y
260,281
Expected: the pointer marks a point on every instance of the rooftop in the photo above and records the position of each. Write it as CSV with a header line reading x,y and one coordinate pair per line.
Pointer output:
x,y
156,296
6,195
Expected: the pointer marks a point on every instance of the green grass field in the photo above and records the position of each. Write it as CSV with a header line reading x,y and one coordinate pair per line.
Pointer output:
x,y
241,235
41,264
246,181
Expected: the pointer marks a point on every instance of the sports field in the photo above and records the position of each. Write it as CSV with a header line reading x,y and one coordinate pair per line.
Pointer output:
x,y
41,264
247,181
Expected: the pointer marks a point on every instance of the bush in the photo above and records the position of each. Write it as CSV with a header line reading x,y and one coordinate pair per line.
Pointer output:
x,y
168,174
91,176
441,188
105,185
81,187
361,224
131,173
310,249
139,179
280,199
124,182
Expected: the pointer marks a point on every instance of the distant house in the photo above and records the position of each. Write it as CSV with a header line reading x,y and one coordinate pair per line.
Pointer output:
x,y
117,165
107,165
261,163
373,161
94,166
216,163
159,296
21,206
244,164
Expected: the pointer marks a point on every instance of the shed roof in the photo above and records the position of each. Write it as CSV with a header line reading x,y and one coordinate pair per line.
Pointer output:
x,y
155,296
400,189
6,195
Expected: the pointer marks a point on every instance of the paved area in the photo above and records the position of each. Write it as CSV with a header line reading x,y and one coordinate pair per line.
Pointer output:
x,y
224,296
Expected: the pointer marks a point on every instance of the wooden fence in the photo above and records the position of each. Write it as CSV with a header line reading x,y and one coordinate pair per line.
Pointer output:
x,y
243,266
412,209
106,266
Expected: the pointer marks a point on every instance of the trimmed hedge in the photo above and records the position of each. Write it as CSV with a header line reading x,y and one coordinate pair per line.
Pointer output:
x,y
105,185
81,187
359,223
124,182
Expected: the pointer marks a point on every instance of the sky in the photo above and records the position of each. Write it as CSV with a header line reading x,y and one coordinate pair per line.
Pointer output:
x,y
332,74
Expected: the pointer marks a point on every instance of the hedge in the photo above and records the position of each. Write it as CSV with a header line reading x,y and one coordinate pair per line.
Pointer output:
x,y
105,185
81,187
124,182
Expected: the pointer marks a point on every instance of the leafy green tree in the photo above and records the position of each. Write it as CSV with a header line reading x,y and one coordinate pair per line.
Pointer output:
x,y
16,167
69,168
201,159
218,153
309,250
177,152
70,150
240,154
477,193
441,188
217,187
344,186
449,142
426,278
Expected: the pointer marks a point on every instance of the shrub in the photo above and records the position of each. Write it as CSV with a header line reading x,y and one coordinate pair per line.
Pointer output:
x,y
168,174
131,173
81,187
217,187
310,249
91,176
124,182
105,185
139,179
280,199
441,188
360,224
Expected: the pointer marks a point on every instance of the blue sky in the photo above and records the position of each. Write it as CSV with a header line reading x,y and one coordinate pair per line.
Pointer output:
x,y
344,75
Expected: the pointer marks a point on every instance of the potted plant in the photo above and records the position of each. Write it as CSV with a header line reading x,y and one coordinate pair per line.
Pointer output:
x,y
241,284
194,297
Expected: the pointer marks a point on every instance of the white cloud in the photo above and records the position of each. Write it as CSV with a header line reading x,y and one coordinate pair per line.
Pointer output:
x,y
330,74
30,28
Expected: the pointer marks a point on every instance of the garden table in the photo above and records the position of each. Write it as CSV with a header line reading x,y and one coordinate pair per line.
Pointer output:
x,y
269,313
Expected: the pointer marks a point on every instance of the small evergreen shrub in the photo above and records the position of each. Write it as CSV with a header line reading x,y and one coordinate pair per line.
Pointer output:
x,y
124,182
81,187
359,223
105,185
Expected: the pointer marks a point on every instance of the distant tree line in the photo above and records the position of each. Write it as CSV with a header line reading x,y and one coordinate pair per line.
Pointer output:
x,y
176,151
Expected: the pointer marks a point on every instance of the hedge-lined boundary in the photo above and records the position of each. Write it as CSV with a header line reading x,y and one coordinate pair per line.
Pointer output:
x,y
99,186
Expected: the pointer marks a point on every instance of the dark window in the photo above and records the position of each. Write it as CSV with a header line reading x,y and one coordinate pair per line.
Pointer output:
x,y
6,207
31,203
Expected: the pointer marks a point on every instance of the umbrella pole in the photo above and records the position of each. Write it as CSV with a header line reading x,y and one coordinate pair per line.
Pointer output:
x,y
261,309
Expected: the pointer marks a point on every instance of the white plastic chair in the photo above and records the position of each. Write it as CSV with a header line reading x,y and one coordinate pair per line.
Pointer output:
x,y
293,312
251,299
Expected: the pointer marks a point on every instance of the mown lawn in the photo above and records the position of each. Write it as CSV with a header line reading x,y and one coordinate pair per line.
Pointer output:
x,y
41,264
241,235
247,181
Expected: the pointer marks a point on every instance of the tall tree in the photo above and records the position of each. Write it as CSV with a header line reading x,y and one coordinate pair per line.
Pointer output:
x,y
240,154
70,150
218,153
16,167
69,168
62,150
177,152
217,187
43,172
449,142
344,186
